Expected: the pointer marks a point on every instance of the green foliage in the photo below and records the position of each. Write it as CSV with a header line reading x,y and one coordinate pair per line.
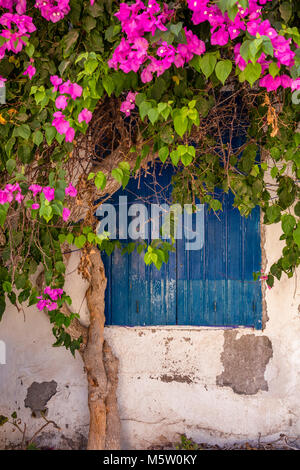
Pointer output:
x,y
178,118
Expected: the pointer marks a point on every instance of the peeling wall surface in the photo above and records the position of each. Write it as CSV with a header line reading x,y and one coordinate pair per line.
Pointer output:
x,y
217,385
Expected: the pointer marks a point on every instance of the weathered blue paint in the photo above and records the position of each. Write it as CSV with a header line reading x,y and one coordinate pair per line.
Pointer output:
x,y
213,286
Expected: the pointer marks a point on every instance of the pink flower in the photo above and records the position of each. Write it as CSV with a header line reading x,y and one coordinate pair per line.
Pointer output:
x,y
41,304
295,84
54,294
66,213
52,306
30,71
35,188
53,11
70,134
60,123
48,193
85,115
270,83
61,102
220,37
72,89
56,81
126,107
35,206
71,191
3,196
286,81
19,197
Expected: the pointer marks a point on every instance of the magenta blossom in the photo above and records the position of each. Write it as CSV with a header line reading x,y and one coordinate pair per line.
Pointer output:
x,y
56,81
35,206
35,188
30,71
66,213
48,193
71,191
70,134
61,102
85,115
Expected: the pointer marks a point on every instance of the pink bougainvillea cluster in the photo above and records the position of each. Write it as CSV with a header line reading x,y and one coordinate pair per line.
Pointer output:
x,y
129,103
15,28
12,192
49,298
67,90
135,51
18,26
53,10
247,20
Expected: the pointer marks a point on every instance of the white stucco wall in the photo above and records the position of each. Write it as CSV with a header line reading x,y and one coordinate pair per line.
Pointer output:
x,y
167,378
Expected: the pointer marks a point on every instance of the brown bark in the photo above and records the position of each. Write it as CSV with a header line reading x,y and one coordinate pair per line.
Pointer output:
x,y
100,364
93,354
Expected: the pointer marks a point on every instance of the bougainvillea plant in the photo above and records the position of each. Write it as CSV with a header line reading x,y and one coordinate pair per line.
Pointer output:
x,y
209,87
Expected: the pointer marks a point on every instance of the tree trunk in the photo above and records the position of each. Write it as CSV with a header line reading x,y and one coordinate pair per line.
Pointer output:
x,y
101,366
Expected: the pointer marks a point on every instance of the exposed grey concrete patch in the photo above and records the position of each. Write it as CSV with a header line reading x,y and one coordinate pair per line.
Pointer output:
x,y
245,362
176,378
58,441
38,395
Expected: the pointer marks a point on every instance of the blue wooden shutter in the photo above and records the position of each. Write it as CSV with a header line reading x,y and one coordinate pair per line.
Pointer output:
x,y
212,286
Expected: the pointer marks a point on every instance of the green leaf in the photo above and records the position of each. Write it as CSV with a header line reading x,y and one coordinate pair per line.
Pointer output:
x,y
3,419
24,131
207,63
89,23
37,138
267,46
288,222
163,153
70,238
274,69
252,72
6,286
297,209
80,241
50,133
69,41
153,115
29,49
285,11
60,267
180,124
244,50
296,235
46,212
186,159
223,69
144,108
274,171
176,28
273,213
100,180
108,85
10,165
117,174
175,157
